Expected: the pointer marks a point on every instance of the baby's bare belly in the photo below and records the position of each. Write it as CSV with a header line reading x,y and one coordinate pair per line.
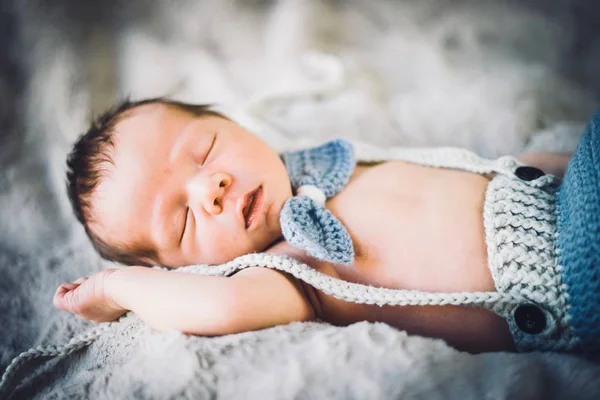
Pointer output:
x,y
418,228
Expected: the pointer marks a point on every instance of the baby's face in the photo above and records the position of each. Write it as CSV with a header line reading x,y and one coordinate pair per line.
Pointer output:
x,y
196,190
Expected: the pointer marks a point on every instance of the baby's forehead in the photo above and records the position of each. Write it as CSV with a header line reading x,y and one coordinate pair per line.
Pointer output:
x,y
148,126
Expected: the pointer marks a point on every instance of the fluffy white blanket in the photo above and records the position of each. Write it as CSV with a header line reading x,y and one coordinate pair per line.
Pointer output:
x,y
496,77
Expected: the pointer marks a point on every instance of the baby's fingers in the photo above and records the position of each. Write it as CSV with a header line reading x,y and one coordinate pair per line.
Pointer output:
x,y
64,296
66,286
59,297
62,289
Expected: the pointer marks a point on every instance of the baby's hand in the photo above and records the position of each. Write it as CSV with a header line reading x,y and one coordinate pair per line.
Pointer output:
x,y
88,298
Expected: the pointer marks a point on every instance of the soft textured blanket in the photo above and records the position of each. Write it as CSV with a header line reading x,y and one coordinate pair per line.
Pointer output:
x,y
495,77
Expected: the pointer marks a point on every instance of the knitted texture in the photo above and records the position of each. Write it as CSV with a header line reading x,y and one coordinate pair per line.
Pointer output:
x,y
327,167
579,236
305,223
520,227
356,292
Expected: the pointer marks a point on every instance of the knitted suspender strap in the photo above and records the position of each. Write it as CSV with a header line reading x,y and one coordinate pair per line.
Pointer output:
x,y
442,157
356,292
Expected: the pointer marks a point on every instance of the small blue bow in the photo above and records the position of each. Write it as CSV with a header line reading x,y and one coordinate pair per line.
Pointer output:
x,y
317,174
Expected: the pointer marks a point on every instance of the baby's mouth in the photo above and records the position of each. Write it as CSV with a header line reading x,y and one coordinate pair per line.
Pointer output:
x,y
252,206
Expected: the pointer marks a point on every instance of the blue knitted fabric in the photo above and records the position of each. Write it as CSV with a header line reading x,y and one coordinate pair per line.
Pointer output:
x,y
305,223
578,242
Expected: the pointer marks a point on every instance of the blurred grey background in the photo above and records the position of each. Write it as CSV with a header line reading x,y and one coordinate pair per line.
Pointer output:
x,y
496,76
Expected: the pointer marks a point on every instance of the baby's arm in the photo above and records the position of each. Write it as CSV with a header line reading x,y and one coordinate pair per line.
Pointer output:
x,y
252,299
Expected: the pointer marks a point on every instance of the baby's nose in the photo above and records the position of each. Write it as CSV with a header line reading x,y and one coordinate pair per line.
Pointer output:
x,y
214,193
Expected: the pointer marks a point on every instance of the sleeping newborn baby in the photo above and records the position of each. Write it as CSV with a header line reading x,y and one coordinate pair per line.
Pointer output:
x,y
164,183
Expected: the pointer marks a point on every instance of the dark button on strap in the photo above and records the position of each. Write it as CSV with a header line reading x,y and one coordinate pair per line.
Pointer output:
x,y
529,173
530,319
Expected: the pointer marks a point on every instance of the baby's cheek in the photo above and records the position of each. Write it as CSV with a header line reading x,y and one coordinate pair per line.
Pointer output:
x,y
228,246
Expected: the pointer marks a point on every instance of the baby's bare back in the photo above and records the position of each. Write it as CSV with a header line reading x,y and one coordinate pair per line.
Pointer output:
x,y
419,228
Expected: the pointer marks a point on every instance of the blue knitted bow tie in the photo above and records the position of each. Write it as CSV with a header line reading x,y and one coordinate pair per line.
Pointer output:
x,y
317,174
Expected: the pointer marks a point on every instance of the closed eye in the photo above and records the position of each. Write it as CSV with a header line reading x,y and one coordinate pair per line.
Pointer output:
x,y
187,214
212,144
